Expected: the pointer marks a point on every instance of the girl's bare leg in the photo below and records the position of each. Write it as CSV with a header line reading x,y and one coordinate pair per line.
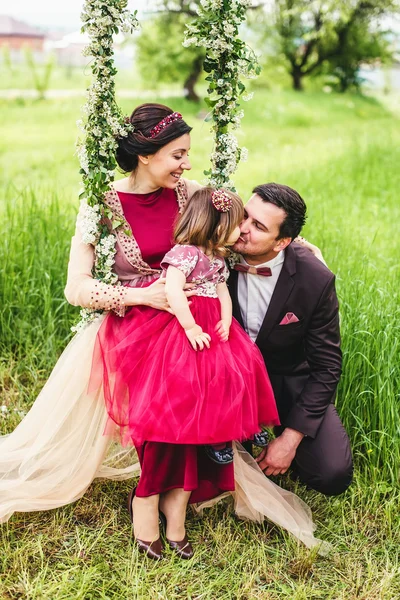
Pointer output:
x,y
173,504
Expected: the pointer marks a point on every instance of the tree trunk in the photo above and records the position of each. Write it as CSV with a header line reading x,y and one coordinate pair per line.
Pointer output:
x,y
297,80
343,85
192,79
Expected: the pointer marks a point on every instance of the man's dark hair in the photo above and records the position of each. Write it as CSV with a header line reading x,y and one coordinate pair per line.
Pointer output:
x,y
290,201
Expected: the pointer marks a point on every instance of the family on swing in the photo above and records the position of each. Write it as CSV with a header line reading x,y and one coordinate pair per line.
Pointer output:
x,y
225,323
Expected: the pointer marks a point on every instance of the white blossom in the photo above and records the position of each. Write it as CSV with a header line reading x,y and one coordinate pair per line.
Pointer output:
x,y
187,42
102,124
228,59
88,223
244,154
248,96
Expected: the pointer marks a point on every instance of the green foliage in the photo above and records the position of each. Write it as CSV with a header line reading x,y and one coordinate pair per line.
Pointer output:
x,y
103,120
160,52
40,75
6,58
362,45
102,125
160,56
228,61
336,34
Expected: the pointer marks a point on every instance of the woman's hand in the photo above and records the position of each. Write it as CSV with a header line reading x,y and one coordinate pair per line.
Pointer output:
x,y
314,249
222,330
197,337
154,295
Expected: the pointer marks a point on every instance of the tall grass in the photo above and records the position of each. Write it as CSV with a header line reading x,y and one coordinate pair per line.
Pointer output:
x,y
342,154
34,253
34,315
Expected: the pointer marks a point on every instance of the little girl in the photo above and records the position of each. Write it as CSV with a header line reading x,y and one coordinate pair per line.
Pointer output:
x,y
194,376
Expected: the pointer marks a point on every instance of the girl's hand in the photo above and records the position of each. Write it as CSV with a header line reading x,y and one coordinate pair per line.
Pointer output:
x,y
314,249
222,330
197,337
189,289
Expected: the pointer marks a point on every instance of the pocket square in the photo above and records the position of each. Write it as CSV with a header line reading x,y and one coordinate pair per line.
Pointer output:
x,y
289,318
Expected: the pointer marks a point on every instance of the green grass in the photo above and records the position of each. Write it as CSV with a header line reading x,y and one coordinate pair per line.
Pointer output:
x,y
66,78
342,154
84,551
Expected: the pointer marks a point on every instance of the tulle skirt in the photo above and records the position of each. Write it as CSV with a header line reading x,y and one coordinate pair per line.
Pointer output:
x,y
158,388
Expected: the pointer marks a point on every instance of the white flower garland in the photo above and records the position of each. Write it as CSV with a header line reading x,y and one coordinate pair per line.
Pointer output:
x,y
102,124
228,59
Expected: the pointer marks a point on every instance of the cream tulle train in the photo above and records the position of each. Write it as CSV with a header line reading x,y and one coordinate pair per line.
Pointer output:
x,y
59,448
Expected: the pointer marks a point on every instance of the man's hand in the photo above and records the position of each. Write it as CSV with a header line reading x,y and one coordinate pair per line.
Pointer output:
x,y
277,457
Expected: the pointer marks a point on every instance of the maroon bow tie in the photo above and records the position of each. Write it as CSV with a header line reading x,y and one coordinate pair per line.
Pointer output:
x,y
266,271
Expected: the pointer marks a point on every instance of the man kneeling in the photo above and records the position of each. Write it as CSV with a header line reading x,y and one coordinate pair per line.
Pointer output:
x,y
290,309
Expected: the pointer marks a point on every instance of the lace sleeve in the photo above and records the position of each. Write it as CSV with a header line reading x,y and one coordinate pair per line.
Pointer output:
x,y
223,273
184,258
81,288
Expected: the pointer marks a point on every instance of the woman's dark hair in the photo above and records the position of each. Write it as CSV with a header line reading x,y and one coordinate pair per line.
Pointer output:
x,y
201,224
138,143
290,201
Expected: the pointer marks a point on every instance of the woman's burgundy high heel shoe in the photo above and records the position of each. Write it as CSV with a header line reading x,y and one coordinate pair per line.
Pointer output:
x,y
183,548
151,549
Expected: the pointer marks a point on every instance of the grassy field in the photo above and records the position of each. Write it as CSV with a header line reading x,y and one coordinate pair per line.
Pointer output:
x,y
342,154
21,77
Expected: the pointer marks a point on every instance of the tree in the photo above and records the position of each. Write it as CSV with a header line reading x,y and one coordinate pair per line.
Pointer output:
x,y
343,32
160,53
40,75
361,45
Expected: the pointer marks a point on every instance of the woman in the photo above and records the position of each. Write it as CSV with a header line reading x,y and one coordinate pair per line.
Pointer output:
x,y
60,447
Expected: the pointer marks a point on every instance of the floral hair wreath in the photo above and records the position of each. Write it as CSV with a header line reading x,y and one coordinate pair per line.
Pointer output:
x,y
221,200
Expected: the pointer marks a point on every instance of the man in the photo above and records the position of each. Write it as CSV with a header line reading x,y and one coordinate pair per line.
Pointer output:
x,y
291,311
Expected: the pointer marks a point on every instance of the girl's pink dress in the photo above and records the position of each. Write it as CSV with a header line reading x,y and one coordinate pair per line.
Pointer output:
x,y
157,388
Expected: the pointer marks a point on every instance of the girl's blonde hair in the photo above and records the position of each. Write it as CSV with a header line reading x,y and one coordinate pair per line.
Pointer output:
x,y
201,224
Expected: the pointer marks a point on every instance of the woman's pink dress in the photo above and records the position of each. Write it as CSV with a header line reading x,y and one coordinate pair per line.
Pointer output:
x,y
158,388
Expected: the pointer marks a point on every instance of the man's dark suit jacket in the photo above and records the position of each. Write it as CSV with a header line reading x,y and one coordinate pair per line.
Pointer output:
x,y
303,359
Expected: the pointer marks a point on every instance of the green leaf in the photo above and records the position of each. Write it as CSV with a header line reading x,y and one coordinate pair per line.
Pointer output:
x,y
116,223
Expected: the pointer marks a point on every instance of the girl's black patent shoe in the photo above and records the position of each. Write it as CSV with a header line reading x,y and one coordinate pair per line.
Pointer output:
x,y
260,439
222,456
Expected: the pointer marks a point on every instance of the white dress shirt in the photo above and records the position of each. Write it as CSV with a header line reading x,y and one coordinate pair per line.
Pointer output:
x,y
255,292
